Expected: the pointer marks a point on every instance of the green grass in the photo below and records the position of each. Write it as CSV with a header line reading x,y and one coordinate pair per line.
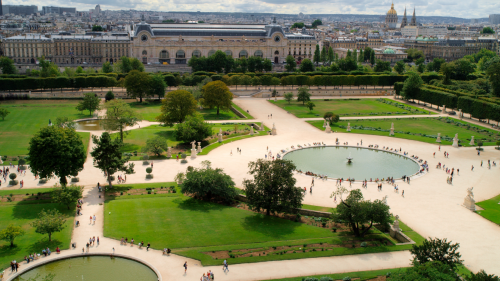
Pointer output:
x,y
346,107
362,275
428,126
182,222
214,145
247,115
491,210
23,215
24,191
150,110
156,185
27,117
317,208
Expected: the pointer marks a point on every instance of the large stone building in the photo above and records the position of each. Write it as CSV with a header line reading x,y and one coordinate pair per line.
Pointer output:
x,y
19,9
177,43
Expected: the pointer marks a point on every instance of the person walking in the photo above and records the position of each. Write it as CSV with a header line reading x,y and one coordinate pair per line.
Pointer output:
x,y
312,184
472,169
147,249
90,220
113,251
97,240
225,266
185,267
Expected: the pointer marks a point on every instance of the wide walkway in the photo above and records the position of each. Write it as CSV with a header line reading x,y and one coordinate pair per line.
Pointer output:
x,y
430,206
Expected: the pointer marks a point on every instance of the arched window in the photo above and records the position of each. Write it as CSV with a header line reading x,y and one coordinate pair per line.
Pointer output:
x,y
258,53
211,52
228,53
164,54
276,52
196,54
180,54
144,53
243,53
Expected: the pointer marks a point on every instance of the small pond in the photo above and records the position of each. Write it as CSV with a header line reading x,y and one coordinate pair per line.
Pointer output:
x,y
89,125
366,163
95,268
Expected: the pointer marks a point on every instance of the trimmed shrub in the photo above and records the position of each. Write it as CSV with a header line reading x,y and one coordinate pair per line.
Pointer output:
x,y
42,181
149,170
75,179
184,161
12,176
13,182
149,176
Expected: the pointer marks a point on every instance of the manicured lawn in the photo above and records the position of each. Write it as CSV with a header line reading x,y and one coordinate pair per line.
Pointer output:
x,y
181,222
22,215
362,275
418,127
27,117
24,191
247,115
348,107
491,209
318,208
150,110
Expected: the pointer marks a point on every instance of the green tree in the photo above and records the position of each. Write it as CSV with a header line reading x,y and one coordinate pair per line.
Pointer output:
x,y
176,106
156,145
434,271
109,96
331,55
106,67
7,66
400,67
303,95
447,70
317,22
382,66
48,222
361,57
310,105
157,86
323,55
367,53
235,80
436,64
210,185
487,30
56,151
245,80
219,61
124,65
306,65
331,118
355,55
462,68
217,94
372,57
347,64
298,25
482,276
90,102
136,64
119,115
47,68
10,233
493,73
3,113
108,156
137,84
64,122
291,64
288,97
411,87
79,70
97,28
267,65
66,195
193,129
437,250
273,187
359,214
317,55
414,54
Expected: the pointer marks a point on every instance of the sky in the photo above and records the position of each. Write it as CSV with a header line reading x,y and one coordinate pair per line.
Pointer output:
x,y
454,8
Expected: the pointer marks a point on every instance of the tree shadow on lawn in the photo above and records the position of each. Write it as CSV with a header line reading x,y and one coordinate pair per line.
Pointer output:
x,y
196,205
7,250
29,210
41,244
270,226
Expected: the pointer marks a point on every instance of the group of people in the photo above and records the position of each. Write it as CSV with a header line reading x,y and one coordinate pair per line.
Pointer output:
x,y
14,265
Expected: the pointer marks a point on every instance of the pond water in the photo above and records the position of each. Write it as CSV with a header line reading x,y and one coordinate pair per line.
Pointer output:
x,y
89,125
95,268
366,163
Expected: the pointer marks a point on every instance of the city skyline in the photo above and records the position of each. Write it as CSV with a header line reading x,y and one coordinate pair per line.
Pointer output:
x,y
447,8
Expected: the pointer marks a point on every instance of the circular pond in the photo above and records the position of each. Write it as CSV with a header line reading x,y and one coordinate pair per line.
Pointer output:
x,y
96,268
366,163
89,125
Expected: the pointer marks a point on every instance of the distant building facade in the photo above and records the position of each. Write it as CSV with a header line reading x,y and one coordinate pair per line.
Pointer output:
x,y
495,19
57,10
19,9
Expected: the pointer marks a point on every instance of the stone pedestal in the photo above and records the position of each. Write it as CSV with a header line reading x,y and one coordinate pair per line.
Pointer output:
x,y
395,226
273,130
455,141
348,127
391,133
328,129
469,201
169,152
262,126
193,153
198,149
438,138
220,137
251,130
460,114
444,109
472,140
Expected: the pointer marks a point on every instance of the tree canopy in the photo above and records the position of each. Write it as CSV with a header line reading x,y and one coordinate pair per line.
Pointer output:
x,y
273,187
306,65
411,86
67,195
493,73
487,30
10,233
216,94
316,22
90,102
157,86
193,128
440,250
137,84
156,145
56,151
7,66
3,113
303,95
291,64
176,106
210,184
331,118
400,67
48,222
119,115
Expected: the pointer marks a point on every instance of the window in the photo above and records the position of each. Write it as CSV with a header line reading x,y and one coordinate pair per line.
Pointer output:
x,y
196,54
276,52
228,53
243,53
211,52
144,53
164,55
258,53
180,54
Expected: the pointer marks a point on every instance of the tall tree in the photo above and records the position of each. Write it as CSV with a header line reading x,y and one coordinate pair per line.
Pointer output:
x,y
323,55
157,86
372,57
367,53
156,145
119,115
124,65
303,95
193,129
400,67
3,113
7,66
273,187
437,250
217,94
411,87
176,106
48,222
382,66
361,57
137,84
210,184
317,55
355,55
361,214
331,55
90,102
493,73
306,65
288,97
56,151
447,70
106,67
331,118
10,233
67,195
108,156
219,60
291,64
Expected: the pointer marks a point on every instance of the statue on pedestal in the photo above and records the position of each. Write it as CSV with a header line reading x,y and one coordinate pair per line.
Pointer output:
x,y
438,138
273,130
193,149
469,201
169,152
348,127
328,129
199,147
395,226
392,130
444,109
193,144
472,140
455,141
251,130
460,114
220,135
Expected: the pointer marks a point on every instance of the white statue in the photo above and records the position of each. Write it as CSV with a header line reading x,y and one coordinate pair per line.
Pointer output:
x,y
469,201
193,145
273,130
472,140
220,135
438,138
199,147
169,152
324,124
328,129
251,130
455,141
460,114
348,127
395,226
384,200
392,130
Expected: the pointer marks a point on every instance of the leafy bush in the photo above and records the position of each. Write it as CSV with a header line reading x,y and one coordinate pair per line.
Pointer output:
x,y
183,155
363,244
149,176
22,161
13,182
347,278
325,278
145,162
42,181
109,96
149,192
145,157
184,161
149,170
12,176
75,179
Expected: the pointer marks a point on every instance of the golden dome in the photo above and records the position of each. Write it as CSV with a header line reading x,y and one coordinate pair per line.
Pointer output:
x,y
392,11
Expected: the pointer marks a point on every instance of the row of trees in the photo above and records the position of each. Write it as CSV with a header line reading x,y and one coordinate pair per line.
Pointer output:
x,y
220,62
